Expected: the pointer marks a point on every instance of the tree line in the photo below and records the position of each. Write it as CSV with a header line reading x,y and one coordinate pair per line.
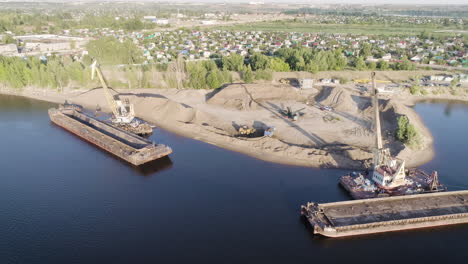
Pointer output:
x,y
59,72
110,51
303,59
55,72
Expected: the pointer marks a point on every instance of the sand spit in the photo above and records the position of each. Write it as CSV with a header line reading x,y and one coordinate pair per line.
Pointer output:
x,y
314,140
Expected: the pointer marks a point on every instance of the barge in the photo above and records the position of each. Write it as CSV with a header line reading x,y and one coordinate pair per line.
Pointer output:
x,y
127,146
380,215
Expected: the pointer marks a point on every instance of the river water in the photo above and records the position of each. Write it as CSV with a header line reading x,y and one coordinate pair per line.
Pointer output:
x,y
64,201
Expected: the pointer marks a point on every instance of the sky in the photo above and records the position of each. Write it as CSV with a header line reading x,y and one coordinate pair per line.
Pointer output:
x,y
413,2
370,2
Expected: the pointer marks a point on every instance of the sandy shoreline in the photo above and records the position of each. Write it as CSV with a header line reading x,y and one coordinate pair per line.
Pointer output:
x,y
267,149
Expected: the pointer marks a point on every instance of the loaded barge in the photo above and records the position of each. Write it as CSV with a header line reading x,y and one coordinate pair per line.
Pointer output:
x,y
127,146
378,215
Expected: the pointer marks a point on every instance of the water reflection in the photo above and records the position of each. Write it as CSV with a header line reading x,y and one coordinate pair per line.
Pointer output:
x,y
153,167
449,105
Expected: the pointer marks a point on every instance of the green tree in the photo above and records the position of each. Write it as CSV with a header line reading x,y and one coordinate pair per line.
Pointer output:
x,y
382,65
197,75
212,79
402,128
247,74
258,61
372,66
296,62
109,50
264,75
414,89
359,64
454,82
7,39
406,132
340,60
278,65
366,50
404,65
233,62
312,68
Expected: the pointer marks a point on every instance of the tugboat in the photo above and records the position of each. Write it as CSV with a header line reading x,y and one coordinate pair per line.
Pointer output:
x,y
388,176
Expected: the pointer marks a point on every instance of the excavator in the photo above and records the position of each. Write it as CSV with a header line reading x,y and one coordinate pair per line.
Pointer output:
x,y
123,111
290,114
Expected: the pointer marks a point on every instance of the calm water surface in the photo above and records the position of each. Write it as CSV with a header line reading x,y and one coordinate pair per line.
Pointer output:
x,y
65,201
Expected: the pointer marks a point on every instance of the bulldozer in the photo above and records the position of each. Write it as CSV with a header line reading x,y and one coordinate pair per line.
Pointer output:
x,y
123,112
246,130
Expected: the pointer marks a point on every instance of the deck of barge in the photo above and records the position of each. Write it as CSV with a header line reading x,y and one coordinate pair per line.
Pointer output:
x,y
388,214
127,146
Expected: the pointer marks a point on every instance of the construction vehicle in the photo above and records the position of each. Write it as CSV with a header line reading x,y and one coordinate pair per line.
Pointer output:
x,y
269,132
246,131
123,111
293,115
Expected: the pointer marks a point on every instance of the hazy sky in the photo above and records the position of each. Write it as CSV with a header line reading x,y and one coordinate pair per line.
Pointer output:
x,y
425,2
370,2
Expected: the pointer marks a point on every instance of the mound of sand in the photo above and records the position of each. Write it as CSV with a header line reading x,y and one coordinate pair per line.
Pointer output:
x,y
166,110
91,99
156,108
342,100
249,96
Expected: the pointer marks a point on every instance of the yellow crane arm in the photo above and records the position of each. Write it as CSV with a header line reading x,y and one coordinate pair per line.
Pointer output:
x,y
110,99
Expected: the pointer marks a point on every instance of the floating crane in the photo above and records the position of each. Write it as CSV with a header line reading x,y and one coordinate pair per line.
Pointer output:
x,y
388,177
123,111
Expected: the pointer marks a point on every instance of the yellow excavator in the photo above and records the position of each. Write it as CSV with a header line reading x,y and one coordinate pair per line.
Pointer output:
x,y
123,111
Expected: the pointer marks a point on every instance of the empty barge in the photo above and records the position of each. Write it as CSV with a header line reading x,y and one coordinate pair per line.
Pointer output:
x,y
127,146
378,215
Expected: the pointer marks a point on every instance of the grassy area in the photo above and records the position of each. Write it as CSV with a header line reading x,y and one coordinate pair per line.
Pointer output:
x,y
336,28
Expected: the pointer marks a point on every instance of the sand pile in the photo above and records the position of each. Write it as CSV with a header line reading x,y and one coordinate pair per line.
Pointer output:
x,y
168,111
164,109
249,96
341,100
155,107
91,99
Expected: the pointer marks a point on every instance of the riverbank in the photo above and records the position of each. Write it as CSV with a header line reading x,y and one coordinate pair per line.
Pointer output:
x,y
311,142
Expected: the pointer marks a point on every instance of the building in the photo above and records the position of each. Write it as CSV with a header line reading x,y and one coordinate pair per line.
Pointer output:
x,y
208,22
51,43
151,18
47,47
387,57
8,50
306,83
162,22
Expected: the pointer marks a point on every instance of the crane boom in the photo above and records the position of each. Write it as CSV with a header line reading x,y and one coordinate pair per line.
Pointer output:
x,y
109,97
378,132
380,154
